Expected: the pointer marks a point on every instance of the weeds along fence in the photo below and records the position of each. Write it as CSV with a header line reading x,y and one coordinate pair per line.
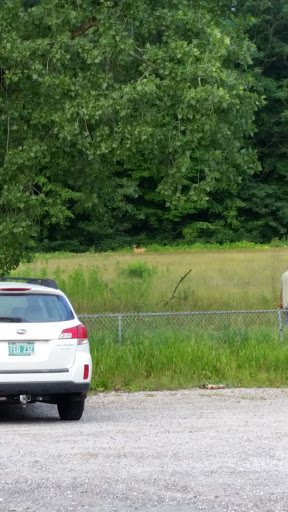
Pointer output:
x,y
125,327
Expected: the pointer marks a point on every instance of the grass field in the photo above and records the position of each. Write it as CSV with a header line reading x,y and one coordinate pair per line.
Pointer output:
x,y
153,355
128,282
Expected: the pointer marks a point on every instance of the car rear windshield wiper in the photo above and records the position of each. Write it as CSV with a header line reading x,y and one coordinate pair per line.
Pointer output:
x,y
10,319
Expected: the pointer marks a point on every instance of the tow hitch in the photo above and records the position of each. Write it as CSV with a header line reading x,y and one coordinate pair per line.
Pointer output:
x,y
24,399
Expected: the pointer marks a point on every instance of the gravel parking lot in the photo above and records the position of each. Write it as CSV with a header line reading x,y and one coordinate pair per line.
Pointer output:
x,y
193,450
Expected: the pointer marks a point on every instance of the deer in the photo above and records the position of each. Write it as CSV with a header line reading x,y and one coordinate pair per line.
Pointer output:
x,y
139,250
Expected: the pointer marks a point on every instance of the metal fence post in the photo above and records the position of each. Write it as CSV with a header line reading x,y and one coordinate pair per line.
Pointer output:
x,y
120,328
280,324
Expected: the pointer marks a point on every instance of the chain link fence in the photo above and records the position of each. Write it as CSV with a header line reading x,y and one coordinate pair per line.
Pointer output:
x,y
125,326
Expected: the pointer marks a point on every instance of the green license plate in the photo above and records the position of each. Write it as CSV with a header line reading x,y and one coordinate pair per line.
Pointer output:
x,y
21,349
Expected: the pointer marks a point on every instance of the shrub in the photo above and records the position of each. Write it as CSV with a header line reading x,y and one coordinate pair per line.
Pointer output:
x,y
138,270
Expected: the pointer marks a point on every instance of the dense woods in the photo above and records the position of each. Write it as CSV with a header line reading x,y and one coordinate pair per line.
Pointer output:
x,y
133,121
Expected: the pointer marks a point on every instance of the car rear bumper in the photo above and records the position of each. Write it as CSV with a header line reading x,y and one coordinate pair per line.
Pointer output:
x,y
42,388
47,382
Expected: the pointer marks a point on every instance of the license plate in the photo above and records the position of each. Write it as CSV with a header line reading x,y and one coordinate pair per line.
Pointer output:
x,y
21,349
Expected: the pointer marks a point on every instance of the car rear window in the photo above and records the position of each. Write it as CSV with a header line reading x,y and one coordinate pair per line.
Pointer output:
x,y
35,307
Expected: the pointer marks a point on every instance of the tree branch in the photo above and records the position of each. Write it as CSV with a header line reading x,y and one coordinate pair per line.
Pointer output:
x,y
8,133
138,57
176,288
79,31
115,294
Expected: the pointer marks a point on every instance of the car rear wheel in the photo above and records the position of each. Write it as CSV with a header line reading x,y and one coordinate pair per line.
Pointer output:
x,y
70,408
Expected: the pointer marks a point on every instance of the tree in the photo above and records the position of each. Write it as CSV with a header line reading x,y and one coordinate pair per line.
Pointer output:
x,y
265,209
99,99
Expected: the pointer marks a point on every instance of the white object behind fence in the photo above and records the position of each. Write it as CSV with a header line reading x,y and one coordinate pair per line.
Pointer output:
x,y
284,291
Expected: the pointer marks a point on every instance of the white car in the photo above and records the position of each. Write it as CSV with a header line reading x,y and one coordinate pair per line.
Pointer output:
x,y
44,348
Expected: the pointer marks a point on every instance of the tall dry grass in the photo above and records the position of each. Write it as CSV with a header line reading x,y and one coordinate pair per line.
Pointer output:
x,y
219,279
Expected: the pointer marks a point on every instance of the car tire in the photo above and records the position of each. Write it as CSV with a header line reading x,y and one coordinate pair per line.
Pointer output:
x,y
71,408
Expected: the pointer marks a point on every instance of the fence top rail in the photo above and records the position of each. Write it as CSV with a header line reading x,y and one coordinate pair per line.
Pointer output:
x,y
166,313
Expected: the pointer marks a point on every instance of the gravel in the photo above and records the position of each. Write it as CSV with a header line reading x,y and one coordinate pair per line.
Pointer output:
x,y
184,451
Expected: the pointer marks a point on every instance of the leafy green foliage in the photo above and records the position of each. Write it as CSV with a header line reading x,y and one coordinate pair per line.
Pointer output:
x,y
138,269
207,232
265,197
119,115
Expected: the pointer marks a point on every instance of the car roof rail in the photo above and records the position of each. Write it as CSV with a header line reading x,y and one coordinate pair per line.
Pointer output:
x,y
32,280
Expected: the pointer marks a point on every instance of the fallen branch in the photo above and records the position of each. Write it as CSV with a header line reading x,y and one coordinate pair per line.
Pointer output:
x,y
214,386
115,295
176,288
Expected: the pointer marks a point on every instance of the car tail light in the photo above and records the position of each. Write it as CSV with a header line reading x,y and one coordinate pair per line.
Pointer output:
x,y
78,332
86,372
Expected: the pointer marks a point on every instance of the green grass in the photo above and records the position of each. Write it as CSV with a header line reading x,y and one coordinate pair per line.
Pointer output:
x,y
220,279
168,360
178,352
